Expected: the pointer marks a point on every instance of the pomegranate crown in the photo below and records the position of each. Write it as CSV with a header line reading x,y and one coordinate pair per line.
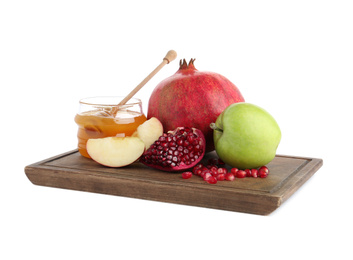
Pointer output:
x,y
183,64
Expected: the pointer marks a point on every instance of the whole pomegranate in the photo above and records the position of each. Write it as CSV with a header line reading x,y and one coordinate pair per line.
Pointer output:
x,y
192,98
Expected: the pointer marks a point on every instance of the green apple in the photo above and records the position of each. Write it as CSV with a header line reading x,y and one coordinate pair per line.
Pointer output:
x,y
246,136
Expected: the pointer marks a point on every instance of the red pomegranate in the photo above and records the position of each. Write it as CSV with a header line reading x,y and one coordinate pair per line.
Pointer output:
x,y
192,98
176,150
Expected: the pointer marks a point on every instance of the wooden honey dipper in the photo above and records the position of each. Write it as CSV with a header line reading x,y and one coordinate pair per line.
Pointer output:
x,y
170,56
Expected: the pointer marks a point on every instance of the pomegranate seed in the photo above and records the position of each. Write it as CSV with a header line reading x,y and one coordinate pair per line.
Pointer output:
x,y
211,180
262,173
234,170
214,170
186,175
198,172
222,170
240,174
204,169
206,174
264,168
197,167
248,172
254,173
230,176
180,142
221,177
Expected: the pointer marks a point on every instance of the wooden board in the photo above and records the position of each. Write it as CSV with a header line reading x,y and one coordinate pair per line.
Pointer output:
x,y
250,195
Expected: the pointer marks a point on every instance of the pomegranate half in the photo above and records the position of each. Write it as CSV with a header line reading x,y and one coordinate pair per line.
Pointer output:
x,y
176,150
192,98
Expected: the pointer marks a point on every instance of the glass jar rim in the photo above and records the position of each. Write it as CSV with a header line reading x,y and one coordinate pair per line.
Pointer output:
x,y
130,102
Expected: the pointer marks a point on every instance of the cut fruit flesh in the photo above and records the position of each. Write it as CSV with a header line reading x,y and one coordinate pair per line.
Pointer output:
x,y
115,151
149,131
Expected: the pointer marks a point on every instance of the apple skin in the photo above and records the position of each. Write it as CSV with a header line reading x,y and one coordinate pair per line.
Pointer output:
x,y
246,136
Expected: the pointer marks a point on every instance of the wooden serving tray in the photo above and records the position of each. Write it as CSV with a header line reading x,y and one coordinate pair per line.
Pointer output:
x,y
250,195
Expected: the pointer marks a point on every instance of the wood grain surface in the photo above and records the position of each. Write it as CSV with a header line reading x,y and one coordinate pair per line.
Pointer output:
x,y
250,195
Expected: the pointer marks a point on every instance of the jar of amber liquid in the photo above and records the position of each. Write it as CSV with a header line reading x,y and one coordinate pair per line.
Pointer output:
x,y
100,117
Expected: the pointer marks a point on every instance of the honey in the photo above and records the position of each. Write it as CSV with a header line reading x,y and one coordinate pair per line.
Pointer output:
x,y
103,122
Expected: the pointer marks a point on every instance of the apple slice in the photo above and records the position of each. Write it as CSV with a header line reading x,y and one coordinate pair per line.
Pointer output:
x,y
115,151
149,131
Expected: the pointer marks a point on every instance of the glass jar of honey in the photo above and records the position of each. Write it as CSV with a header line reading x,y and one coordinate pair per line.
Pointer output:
x,y
100,117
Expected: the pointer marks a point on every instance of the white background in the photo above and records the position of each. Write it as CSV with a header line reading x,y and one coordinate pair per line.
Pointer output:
x,y
293,58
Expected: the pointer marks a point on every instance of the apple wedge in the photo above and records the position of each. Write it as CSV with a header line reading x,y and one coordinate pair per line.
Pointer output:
x,y
115,151
149,131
